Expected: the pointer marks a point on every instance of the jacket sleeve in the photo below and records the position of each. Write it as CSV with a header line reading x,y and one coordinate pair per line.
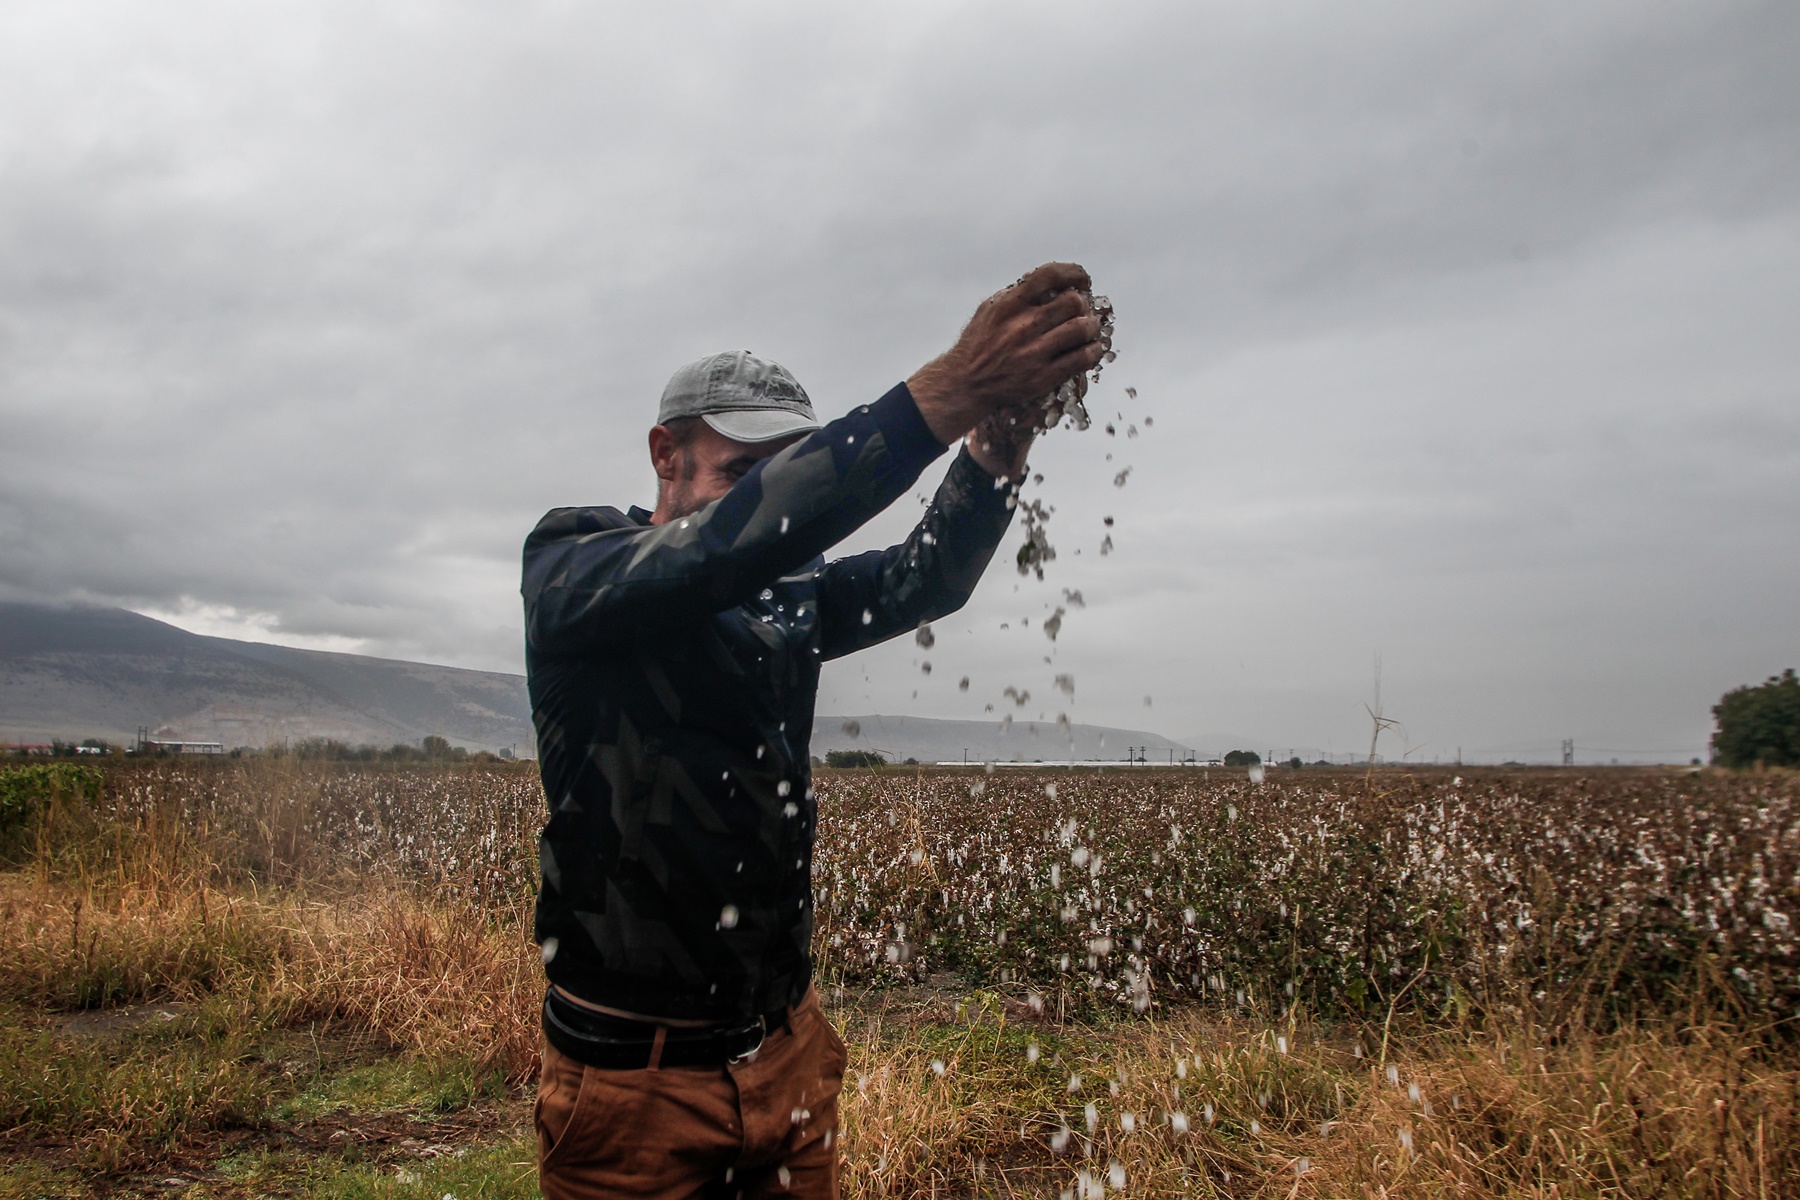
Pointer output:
x,y
587,588
869,598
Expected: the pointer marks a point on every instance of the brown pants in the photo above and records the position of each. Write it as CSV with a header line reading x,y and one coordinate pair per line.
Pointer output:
x,y
763,1127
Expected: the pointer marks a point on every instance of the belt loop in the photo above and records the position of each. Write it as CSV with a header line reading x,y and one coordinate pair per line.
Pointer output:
x,y
656,1048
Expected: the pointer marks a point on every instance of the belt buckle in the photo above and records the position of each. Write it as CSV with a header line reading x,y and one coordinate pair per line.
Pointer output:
x,y
762,1031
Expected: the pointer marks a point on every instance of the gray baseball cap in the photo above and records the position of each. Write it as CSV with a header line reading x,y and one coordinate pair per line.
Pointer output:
x,y
746,398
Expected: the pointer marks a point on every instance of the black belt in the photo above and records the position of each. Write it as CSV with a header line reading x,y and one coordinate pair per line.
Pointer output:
x,y
618,1044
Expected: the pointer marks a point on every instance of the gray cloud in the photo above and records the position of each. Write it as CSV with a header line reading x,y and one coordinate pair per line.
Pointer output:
x,y
1465,328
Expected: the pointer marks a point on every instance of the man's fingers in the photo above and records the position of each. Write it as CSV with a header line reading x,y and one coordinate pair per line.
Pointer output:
x,y
1041,284
1081,356
1070,333
1064,306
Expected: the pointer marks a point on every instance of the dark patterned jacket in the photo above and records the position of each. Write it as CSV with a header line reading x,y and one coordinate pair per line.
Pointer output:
x,y
673,671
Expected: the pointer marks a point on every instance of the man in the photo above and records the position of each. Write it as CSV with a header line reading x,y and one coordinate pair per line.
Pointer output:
x,y
673,659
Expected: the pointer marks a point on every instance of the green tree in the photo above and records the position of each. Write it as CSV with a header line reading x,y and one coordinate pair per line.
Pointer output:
x,y
854,758
1242,758
1759,724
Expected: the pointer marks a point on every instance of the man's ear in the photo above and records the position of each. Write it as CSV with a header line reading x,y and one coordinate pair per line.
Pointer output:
x,y
665,453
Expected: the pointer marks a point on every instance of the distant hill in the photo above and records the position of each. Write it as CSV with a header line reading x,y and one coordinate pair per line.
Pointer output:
x,y
931,740
104,672
72,673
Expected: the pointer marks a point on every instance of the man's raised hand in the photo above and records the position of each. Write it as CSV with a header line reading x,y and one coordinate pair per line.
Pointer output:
x,y
1020,345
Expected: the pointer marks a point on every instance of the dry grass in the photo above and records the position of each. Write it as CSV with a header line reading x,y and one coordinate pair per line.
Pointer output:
x,y
270,903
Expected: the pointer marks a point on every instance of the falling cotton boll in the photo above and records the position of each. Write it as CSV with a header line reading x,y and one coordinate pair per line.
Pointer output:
x,y
1074,1084
1131,393
852,728
1128,1121
1065,684
1072,597
728,917
1092,1113
1256,772
784,1175
1115,1175
868,617
925,637
1053,623
1393,1075
963,684
1018,697
1032,1052
1255,1127
548,950
1281,1045
1106,544
925,667
1121,477
937,1067
1059,1141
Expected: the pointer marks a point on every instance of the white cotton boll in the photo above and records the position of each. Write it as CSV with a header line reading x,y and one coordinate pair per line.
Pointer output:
x,y
1393,1075
783,788
1092,1113
1115,1175
868,617
1255,1127
1178,1122
548,950
937,1067
1281,1045
1074,1084
1059,1141
1128,1121
1032,1052
1208,1114
790,809
784,1175
728,917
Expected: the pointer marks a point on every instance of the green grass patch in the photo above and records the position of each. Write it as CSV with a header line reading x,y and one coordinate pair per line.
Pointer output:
x,y
502,1171
426,1085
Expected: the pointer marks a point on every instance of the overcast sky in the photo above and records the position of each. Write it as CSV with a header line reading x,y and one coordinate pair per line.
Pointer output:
x,y
1469,331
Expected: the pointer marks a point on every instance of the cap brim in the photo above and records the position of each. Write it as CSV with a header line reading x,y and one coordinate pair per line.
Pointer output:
x,y
759,424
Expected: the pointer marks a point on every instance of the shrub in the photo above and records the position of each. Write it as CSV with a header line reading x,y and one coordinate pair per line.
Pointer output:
x,y
27,791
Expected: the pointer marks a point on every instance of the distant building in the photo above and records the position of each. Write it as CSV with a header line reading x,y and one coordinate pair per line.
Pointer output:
x,y
153,747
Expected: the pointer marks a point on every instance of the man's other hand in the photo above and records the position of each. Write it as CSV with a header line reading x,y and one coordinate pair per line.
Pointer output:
x,y
1021,344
